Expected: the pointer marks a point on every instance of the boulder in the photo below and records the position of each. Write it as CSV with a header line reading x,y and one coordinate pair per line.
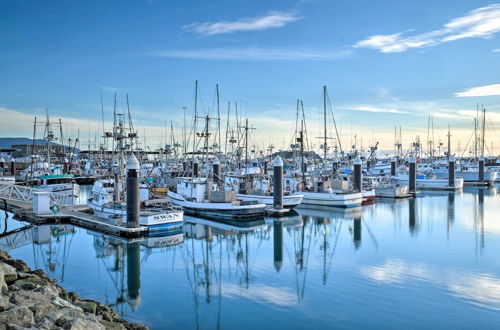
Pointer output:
x,y
69,318
17,315
112,325
18,264
87,306
9,272
37,302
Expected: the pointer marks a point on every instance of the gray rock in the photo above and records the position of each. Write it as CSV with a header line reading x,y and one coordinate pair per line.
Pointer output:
x,y
87,306
112,325
3,286
4,256
64,304
17,315
69,318
18,264
37,302
9,272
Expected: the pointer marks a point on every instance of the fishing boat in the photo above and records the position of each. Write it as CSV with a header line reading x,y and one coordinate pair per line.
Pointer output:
x,y
428,181
332,199
160,217
261,192
289,201
196,198
390,190
108,195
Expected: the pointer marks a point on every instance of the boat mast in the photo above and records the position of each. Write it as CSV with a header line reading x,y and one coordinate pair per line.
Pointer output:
x,y
302,163
482,135
324,124
195,115
449,143
218,117
227,126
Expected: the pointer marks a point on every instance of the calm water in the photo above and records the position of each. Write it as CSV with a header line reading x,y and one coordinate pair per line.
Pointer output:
x,y
430,262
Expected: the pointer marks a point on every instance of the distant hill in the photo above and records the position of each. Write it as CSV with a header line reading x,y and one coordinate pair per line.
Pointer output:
x,y
7,142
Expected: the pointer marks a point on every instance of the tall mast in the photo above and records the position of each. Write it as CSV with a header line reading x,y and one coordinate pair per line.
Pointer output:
x,y
324,124
302,165
227,126
449,143
218,116
482,135
195,114
246,145
102,117
184,141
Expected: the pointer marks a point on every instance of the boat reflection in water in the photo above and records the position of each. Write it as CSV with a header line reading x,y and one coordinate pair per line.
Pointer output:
x,y
293,270
122,257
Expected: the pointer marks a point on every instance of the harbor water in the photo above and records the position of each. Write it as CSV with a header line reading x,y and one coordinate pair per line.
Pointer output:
x,y
428,262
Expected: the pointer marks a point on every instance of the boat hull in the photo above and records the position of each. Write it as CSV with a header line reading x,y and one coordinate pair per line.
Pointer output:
x,y
289,201
436,184
219,211
157,220
312,199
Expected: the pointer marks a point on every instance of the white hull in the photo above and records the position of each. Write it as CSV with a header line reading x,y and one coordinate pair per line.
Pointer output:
x,y
289,201
333,200
71,191
153,219
430,183
392,191
218,210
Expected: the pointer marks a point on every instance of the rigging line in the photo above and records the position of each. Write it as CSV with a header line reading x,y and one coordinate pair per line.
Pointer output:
x,y
334,122
334,248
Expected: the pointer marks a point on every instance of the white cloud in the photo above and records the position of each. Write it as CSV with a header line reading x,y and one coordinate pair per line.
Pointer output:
x,y
271,20
497,50
376,109
478,289
261,293
397,271
487,90
483,22
252,53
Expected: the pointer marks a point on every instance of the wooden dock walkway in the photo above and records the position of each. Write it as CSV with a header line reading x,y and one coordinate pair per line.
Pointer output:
x,y
72,214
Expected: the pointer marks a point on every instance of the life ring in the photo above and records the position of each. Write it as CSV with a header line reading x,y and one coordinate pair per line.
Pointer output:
x,y
287,188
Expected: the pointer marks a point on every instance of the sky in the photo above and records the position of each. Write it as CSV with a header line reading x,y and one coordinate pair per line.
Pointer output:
x,y
385,64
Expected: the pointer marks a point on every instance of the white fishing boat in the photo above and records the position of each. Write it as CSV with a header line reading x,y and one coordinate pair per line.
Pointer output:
x,y
389,190
469,172
428,182
161,217
289,201
333,199
197,199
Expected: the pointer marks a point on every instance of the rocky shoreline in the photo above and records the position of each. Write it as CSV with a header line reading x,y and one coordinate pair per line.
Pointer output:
x,y
31,300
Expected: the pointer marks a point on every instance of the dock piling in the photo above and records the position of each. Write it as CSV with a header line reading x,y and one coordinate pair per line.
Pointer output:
x,y
132,192
393,166
358,176
451,172
481,169
278,183
412,180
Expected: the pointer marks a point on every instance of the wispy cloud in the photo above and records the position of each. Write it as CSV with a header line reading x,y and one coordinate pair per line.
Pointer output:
x,y
479,23
487,90
376,109
271,20
252,53
496,50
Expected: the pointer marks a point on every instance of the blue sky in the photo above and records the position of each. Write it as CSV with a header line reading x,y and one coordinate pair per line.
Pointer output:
x,y
385,63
